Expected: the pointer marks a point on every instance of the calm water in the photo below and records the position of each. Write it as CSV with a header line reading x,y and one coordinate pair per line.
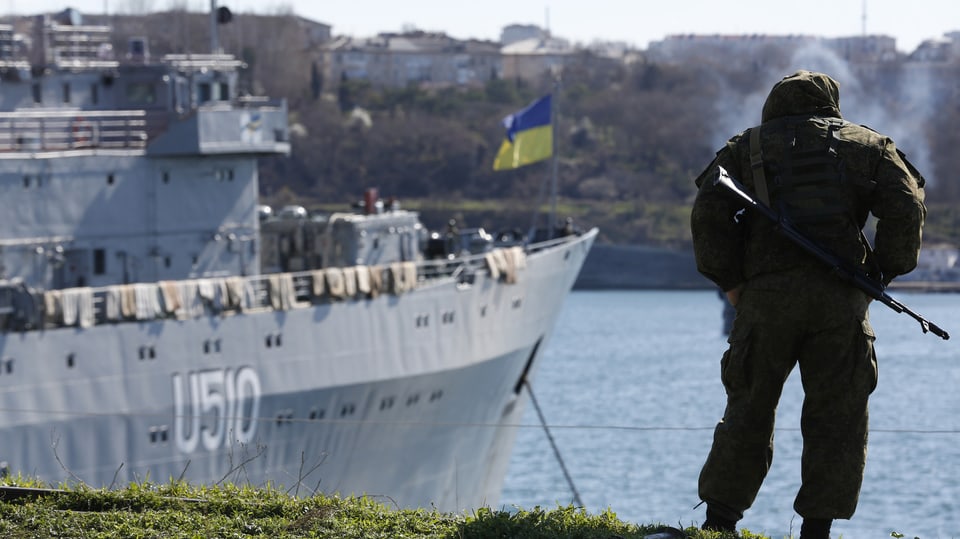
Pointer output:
x,y
630,386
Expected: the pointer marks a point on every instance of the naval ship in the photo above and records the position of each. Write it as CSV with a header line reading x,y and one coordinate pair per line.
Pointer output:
x,y
159,324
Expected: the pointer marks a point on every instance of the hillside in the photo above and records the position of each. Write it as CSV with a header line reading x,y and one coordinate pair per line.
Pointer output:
x,y
631,139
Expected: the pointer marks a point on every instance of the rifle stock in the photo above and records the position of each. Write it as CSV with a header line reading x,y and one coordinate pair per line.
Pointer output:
x,y
859,279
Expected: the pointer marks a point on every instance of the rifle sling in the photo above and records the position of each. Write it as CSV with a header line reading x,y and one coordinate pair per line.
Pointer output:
x,y
756,165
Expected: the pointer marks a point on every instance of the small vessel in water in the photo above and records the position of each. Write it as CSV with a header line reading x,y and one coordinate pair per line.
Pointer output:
x,y
157,323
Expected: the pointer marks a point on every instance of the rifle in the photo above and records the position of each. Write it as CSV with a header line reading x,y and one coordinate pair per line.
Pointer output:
x,y
859,279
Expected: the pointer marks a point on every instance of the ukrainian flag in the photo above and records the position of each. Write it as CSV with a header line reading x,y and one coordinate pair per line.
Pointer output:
x,y
529,136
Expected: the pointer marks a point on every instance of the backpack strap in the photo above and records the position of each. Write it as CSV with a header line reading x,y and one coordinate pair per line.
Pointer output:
x,y
756,165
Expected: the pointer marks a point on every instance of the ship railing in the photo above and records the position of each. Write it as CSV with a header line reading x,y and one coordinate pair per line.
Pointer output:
x,y
502,263
31,131
259,102
22,308
198,62
547,244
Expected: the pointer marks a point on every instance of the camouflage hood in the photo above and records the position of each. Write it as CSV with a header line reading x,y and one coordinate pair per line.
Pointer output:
x,y
804,92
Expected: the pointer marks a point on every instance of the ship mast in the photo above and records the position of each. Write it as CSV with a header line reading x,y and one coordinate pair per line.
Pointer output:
x,y
214,31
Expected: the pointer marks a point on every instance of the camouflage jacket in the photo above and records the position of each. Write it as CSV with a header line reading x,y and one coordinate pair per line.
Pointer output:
x,y
732,246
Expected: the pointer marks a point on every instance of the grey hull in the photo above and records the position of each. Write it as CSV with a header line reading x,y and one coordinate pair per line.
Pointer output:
x,y
413,397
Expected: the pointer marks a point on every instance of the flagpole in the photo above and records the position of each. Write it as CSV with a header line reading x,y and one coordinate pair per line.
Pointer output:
x,y
552,220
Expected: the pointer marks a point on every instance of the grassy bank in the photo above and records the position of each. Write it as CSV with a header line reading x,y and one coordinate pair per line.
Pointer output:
x,y
179,510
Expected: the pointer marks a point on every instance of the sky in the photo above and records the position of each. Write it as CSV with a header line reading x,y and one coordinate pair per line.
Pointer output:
x,y
637,22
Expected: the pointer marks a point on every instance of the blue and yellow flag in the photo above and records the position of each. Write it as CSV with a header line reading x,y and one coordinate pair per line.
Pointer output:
x,y
529,136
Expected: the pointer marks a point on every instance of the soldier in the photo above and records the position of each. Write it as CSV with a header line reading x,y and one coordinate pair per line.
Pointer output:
x,y
825,175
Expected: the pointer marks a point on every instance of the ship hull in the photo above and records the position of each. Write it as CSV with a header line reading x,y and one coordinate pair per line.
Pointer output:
x,y
413,397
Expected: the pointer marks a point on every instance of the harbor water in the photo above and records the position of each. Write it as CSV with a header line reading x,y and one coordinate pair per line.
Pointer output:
x,y
629,387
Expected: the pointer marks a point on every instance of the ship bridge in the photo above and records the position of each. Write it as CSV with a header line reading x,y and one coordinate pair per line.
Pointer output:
x,y
71,92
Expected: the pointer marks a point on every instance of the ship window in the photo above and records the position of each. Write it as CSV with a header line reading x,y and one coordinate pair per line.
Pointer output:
x,y
37,93
70,360
167,262
158,433
99,261
205,91
110,179
66,92
141,93
224,91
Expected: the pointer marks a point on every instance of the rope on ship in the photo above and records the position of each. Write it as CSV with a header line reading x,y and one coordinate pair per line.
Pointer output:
x,y
553,444
367,421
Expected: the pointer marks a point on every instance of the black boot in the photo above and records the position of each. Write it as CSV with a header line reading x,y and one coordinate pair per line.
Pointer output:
x,y
815,528
717,522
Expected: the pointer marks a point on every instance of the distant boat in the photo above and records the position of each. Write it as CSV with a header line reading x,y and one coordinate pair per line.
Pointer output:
x,y
158,323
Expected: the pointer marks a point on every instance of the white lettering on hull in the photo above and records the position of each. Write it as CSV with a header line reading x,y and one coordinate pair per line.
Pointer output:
x,y
214,407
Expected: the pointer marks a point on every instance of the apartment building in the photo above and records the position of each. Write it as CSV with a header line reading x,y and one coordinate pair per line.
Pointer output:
x,y
401,59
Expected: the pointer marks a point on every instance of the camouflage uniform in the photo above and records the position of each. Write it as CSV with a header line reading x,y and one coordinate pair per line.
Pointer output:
x,y
792,309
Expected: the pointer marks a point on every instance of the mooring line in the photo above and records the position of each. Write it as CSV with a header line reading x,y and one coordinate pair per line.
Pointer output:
x,y
556,450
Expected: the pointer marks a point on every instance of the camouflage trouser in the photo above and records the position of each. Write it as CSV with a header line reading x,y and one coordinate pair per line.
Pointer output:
x,y
820,324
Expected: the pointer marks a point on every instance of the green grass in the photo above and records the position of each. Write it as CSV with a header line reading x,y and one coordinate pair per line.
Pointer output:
x,y
148,510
